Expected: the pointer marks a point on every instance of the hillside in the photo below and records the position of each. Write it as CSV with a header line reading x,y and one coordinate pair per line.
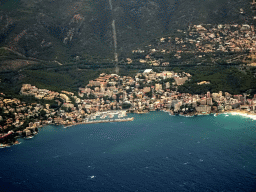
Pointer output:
x,y
62,30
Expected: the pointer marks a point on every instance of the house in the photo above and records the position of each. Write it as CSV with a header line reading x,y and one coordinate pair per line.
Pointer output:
x,y
148,71
203,82
27,132
180,81
200,28
245,27
146,89
243,107
165,63
142,61
203,109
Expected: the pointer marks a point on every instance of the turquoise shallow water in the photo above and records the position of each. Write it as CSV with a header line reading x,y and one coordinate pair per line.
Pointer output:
x,y
155,152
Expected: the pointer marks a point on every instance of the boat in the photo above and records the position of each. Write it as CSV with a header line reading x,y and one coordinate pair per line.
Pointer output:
x,y
111,115
93,117
29,137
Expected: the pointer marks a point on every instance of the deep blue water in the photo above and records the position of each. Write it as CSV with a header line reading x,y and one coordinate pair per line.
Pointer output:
x,y
155,152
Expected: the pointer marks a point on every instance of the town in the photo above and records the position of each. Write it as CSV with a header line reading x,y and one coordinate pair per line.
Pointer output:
x,y
112,95
203,43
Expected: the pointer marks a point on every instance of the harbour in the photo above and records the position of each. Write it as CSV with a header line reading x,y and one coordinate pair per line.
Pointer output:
x,y
102,121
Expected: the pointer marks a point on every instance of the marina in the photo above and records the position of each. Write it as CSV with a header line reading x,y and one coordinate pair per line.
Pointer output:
x,y
107,115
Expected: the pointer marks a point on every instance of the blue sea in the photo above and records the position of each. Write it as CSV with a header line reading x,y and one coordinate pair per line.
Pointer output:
x,y
155,152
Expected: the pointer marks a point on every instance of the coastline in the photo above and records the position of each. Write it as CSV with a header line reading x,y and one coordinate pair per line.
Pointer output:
x,y
243,113
231,112
193,114
9,144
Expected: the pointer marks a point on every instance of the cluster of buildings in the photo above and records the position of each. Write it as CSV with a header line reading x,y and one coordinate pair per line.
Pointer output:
x,y
223,38
147,91
115,92
19,116
29,90
200,40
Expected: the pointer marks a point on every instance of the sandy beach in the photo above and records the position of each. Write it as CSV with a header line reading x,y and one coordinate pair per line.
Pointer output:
x,y
243,113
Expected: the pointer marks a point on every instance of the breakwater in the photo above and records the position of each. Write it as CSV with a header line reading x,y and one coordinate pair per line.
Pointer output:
x,y
102,121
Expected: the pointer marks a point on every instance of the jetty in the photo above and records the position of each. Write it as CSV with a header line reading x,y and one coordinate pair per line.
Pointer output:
x,y
101,121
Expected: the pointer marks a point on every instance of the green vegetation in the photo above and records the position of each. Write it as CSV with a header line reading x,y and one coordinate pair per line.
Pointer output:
x,y
149,94
8,5
70,77
221,78
126,105
53,77
136,22
6,54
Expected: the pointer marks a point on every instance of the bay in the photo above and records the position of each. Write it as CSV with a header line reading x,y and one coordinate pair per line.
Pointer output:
x,y
155,152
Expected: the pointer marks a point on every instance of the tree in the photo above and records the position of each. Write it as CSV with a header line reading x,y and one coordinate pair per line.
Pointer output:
x,y
149,94
214,103
91,96
42,113
126,105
